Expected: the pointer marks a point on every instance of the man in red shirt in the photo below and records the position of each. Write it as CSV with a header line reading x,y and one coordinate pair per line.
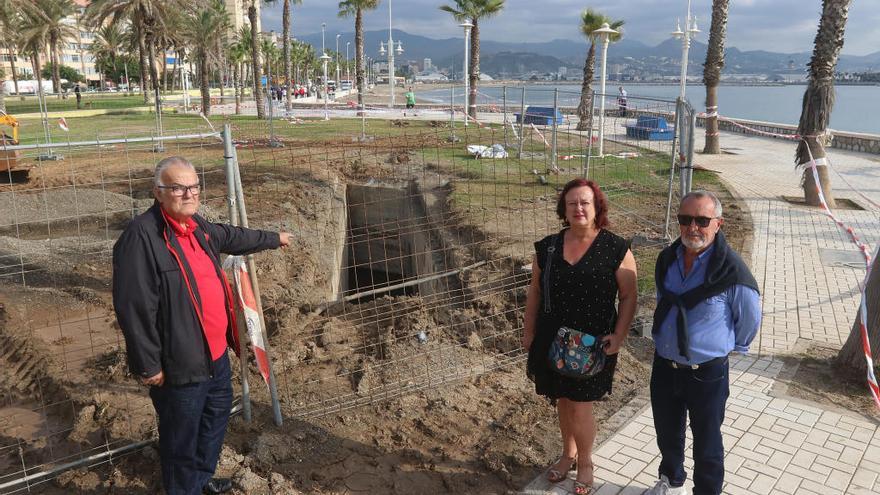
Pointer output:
x,y
174,305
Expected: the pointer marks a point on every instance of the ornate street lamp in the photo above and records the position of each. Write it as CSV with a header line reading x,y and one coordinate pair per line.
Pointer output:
x,y
690,31
605,32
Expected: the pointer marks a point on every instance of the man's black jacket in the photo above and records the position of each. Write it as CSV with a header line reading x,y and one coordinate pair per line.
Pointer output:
x,y
155,298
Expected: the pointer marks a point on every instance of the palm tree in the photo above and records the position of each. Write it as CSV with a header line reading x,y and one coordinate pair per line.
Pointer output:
x,y
33,38
271,57
474,10
105,48
852,354
236,54
819,99
205,29
46,22
9,24
348,8
712,73
146,17
592,20
255,58
285,46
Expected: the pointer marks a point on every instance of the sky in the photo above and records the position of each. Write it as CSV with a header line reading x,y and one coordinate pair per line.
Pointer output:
x,y
773,25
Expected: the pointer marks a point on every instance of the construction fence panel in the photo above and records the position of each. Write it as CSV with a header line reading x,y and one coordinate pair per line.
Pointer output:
x,y
414,231
65,394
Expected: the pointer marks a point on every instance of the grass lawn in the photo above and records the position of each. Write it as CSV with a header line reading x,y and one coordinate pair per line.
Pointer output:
x,y
107,101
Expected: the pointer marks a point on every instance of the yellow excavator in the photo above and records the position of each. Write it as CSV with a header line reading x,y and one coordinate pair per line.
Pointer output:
x,y
8,158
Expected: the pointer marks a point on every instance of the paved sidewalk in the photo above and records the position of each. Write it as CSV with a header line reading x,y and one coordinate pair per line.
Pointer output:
x,y
810,275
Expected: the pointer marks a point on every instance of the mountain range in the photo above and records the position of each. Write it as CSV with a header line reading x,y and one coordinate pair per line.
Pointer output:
x,y
549,56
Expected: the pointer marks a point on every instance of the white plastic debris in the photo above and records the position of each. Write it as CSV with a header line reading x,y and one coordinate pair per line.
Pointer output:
x,y
480,151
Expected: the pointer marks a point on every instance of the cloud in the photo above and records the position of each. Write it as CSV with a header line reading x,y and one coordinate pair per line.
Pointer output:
x,y
773,25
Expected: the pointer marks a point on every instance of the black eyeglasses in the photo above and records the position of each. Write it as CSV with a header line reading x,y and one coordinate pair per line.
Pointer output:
x,y
179,190
686,220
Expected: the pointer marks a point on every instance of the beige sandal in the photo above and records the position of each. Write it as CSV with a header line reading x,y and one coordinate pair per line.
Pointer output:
x,y
554,476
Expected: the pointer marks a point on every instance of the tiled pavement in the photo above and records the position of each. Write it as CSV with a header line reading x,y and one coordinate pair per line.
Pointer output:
x,y
810,275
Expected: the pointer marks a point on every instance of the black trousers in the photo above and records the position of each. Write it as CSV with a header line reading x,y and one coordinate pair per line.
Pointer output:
x,y
192,424
700,394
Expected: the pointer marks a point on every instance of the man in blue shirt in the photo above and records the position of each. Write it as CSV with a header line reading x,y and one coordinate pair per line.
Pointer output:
x,y
707,307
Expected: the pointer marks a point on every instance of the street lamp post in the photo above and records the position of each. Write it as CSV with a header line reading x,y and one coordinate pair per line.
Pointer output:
x,y
337,60
605,32
467,44
690,31
347,62
391,50
323,50
324,59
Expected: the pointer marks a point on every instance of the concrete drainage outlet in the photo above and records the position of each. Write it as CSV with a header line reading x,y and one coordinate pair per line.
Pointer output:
x,y
390,244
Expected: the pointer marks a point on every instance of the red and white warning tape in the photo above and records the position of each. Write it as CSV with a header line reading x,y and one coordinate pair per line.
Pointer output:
x,y
535,129
863,307
245,292
863,248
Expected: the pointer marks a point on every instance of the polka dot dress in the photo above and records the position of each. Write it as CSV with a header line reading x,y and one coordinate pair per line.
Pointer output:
x,y
583,297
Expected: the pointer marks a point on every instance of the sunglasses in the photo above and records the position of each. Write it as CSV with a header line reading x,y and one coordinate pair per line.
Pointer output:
x,y
685,220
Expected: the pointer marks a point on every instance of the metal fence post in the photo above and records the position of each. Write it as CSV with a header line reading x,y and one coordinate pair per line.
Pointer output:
x,y
504,110
589,139
522,122
692,129
452,137
682,145
229,159
555,128
252,273
672,171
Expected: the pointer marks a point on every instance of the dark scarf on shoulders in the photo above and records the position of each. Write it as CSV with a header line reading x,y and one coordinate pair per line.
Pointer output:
x,y
725,270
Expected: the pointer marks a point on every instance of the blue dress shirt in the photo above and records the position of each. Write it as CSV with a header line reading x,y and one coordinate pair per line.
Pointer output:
x,y
717,325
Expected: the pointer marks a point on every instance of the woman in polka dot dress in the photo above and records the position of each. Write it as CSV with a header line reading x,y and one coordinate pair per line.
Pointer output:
x,y
590,271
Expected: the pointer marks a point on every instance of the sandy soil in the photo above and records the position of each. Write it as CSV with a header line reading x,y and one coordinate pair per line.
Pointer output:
x,y
465,433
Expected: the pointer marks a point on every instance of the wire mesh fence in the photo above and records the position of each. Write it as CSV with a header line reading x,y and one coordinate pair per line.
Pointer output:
x,y
64,394
417,233
413,241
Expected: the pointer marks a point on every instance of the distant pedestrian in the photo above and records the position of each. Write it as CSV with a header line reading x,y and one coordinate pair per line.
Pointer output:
x,y
707,307
78,94
621,101
410,100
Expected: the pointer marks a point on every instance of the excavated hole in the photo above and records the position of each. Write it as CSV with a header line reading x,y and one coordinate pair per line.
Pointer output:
x,y
391,246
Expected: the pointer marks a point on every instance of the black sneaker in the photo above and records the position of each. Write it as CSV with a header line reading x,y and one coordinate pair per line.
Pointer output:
x,y
218,485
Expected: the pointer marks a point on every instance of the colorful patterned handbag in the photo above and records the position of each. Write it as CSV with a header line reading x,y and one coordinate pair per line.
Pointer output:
x,y
576,354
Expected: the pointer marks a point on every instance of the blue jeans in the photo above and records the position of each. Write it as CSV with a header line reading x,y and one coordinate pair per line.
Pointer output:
x,y
192,423
701,394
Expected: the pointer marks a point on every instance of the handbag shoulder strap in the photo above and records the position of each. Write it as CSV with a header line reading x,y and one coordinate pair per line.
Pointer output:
x,y
545,275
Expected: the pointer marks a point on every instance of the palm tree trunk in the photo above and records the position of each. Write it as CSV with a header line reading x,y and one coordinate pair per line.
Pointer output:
x,y
236,74
285,25
56,71
37,69
255,61
852,354
205,80
585,107
819,99
474,68
11,53
142,60
11,50
165,71
174,72
154,72
359,55
712,73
